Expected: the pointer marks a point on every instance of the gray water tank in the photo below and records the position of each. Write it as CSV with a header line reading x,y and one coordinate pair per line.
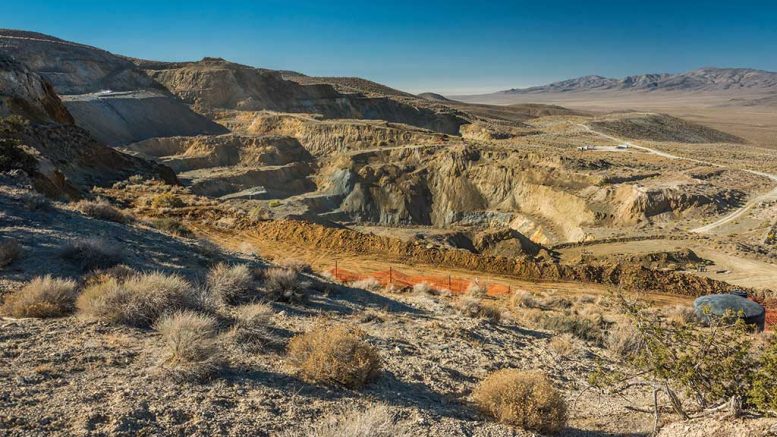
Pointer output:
x,y
752,312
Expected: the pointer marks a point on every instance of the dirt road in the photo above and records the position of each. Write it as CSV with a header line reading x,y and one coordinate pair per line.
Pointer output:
x,y
771,195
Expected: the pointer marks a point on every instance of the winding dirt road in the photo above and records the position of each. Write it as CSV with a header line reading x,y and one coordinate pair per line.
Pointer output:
x,y
771,195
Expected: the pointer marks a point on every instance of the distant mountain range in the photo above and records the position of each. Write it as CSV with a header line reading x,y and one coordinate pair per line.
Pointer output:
x,y
703,79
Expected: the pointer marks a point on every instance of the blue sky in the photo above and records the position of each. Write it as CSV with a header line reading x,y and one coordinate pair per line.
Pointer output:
x,y
445,46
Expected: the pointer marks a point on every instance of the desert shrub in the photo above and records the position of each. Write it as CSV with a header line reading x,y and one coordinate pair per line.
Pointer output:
x,y
335,354
557,302
624,340
166,200
563,344
92,253
42,297
296,265
370,284
252,327
763,392
474,289
582,328
680,314
100,209
171,226
522,398
139,300
274,203
10,251
35,201
231,284
190,349
284,284
258,214
525,299
14,157
587,299
473,307
375,421
423,288
119,272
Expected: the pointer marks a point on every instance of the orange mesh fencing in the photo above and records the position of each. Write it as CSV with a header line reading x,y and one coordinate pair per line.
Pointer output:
x,y
400,279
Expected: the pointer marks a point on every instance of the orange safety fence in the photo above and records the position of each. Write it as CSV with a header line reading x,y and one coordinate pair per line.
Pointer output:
x,y
400,279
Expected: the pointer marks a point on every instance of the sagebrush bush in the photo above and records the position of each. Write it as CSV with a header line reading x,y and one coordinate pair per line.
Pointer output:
x,y
231,284
191,351
252,329
166,200
10,251
474,307
563,344
171,226
296,265
375,421
42,297
763,392
423,288
139,300
525,399
475,289
284,284
92,253
370,284
524,299
335,354
581,327
624,340
100,209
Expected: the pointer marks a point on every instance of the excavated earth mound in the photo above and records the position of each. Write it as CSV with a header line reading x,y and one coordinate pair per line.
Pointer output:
x,y
661,127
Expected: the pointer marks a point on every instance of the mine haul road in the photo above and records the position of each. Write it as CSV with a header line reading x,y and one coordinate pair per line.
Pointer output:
x,y
771,195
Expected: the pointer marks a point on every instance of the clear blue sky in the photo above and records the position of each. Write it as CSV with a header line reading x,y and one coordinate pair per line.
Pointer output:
x,y
446,46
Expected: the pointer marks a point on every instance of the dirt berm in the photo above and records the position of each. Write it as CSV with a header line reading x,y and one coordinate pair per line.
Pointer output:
x,y
630,277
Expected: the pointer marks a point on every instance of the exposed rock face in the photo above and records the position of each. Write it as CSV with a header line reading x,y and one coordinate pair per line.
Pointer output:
x,y
122,118
106,94
213,84
24,93
73,68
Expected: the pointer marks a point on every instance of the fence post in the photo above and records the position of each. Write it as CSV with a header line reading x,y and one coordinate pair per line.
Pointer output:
x,y
449,283
390,274
336,270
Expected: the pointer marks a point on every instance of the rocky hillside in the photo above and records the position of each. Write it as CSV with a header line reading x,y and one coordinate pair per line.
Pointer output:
x,y
68,159
106,94
213,84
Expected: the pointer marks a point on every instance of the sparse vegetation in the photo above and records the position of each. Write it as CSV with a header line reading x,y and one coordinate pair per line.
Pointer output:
x,y
252,327
335,354
100,209
92,253
375,421
139,300
475,289
522,398
231,284
166,200
14,157
370,284
285,284
474,307
171,226
423,288
10,251
191,352
42,297
563,344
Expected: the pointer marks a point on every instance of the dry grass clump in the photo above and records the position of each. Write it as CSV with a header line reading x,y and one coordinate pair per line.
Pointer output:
x,y
284,284
252,327
166,200
92,253
474,289
522,398
44,296
120,272
584,328
370,284
473,307
335,354
375,421
10,251
231,284
524,299
296,265
424,288
563,344
680,314
624,340
137,301
191,352
100,209
35,202
171,226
